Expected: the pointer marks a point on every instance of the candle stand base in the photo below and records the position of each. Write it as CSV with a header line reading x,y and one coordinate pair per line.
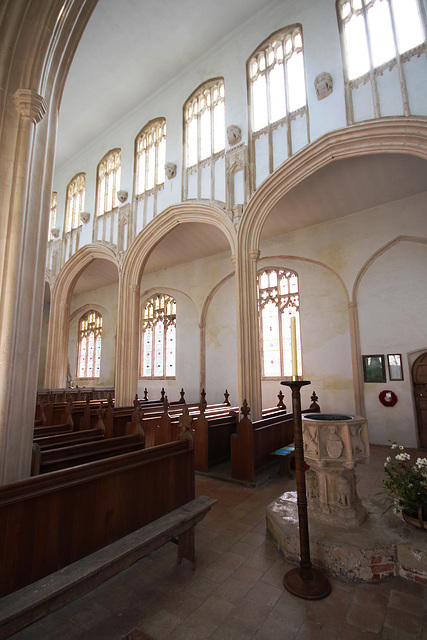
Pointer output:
x,y
315,587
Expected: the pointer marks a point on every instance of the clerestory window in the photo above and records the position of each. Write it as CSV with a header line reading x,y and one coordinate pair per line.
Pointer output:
x,y
378,36
277,101
75,202
150,156
204,142
159,337
278,302
108,182
89,341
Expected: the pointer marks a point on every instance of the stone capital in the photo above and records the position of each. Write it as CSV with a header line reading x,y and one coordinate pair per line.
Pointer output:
x,y
254,255
30,104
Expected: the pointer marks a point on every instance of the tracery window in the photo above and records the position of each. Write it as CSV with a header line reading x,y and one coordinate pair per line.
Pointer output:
x,y
150,156
204,142
108,182
75,202
159,337
379,35
53,211
278,301
277,100
89,341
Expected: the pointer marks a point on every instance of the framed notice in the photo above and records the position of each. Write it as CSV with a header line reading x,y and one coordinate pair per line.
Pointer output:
x,y
374,368
395,370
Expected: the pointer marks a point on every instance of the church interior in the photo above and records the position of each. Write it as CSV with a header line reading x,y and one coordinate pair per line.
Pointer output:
x,y
201,201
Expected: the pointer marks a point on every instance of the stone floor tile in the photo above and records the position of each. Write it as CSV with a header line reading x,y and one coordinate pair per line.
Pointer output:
x,y
251,612
215,608
407,602
160,624
312,631
233,629
182,604
265,593
216,572
273,628
369,617
291,611
405,622
246,575
233,591
195,627
348,632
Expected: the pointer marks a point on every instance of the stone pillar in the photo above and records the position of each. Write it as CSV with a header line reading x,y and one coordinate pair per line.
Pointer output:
x,y
249,364
23,253
127,349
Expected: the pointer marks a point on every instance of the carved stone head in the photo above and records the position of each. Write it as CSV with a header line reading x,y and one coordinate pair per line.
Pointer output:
x,y
55,232
170,170
84,217
234,134
122,196
323,85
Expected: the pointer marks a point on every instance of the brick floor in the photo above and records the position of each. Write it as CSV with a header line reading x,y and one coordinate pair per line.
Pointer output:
x,y
236,591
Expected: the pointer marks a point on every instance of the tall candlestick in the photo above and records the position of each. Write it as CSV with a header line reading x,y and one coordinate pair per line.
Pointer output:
x,y
294,347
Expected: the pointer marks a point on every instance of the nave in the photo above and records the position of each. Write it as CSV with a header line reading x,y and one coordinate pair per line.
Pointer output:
x,y
236,590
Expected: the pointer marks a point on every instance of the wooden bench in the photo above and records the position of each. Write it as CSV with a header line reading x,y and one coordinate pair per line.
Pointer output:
x,y
212,433
285,455
34,601
82,453
69,438
254,443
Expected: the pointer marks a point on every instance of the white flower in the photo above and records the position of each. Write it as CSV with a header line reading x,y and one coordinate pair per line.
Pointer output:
x,y
403,456
421,462
401,448
394,445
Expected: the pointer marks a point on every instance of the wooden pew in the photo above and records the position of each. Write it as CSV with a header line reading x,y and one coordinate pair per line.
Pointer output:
x,y
212,433
68,439
51,520
84,452
255,442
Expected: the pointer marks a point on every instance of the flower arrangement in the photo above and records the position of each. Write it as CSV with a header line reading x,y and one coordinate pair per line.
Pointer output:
x,y
405,486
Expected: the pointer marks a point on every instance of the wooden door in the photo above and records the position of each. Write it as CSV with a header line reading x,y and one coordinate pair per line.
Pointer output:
x,y
419,378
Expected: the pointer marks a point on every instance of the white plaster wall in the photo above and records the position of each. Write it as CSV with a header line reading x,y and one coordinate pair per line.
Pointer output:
x,y
103,300
326,351
221,345
392,312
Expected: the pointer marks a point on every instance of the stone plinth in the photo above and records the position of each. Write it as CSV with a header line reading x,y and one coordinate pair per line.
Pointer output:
x,y
382,546
333,445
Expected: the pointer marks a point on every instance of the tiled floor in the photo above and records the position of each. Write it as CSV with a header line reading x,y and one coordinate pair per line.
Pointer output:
x,y
236,591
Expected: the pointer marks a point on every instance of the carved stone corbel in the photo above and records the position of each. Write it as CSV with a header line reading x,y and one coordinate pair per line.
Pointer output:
x,y
323,85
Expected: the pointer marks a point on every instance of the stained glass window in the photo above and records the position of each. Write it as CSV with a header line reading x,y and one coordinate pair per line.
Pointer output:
x,y
108,183
90,333
278,301
75,202
376,31
150,150
159,337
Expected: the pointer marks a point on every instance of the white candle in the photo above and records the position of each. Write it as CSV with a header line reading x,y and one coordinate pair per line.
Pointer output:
x,y
294,347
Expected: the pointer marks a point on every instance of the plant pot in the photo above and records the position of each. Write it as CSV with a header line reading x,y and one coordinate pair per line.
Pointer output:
x,y
415,522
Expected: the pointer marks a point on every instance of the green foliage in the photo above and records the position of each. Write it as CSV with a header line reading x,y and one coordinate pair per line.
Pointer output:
x,y
405,487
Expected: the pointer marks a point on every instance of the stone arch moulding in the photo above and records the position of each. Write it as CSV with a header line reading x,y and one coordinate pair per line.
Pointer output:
x,y
152,234
133,267
56,360
391,135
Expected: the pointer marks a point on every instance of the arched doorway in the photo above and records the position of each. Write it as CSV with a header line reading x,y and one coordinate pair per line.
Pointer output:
x,y
419,379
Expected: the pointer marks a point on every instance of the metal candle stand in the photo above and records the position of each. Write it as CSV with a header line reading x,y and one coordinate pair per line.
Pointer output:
x,y
304,581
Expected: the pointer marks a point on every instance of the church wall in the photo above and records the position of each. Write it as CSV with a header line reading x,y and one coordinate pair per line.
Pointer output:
x,y
103,300
391,301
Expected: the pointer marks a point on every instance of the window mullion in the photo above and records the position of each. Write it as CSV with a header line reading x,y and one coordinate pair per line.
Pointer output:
x,y
400,69
374,86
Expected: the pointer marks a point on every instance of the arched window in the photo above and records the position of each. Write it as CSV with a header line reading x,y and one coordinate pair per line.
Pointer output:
x,y
378,36
89,341
278,302
150,156
204,142
159,337
75,202
108,182
277,100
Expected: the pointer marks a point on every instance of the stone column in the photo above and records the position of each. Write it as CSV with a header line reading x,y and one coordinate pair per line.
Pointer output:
x,y
127,350
249,364
23,254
